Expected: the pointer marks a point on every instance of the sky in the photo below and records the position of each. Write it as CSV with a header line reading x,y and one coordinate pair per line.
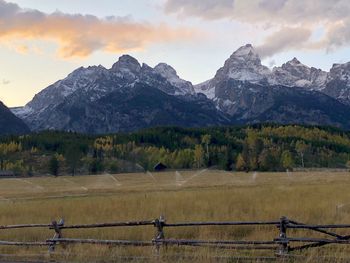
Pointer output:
x,y
42,41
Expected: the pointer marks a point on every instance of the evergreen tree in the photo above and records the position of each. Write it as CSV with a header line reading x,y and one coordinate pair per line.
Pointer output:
x,y
267,161
54,165
95,166
228,158
73,156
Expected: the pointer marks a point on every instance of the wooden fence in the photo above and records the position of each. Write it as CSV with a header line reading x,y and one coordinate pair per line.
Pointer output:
x,y
282,245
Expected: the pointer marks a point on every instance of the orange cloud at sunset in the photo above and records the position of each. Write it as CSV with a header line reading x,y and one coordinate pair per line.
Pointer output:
x,y
80,35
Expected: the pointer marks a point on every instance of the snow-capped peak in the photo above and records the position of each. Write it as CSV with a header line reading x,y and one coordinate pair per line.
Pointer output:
x,y
294,62
296,74
296,68
170,74
127,60
245,55
341,72
245,65
127,64
166,71
245,51
91,70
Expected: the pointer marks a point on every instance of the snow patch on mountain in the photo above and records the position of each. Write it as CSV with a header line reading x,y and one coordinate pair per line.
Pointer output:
x,y
22,111
206,89
95,82
245,65
170,74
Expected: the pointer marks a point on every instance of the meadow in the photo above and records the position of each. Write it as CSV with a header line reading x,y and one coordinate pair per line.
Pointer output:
x,y
180,196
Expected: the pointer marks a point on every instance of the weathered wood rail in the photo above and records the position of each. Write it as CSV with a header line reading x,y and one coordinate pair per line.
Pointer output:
x,y
283,245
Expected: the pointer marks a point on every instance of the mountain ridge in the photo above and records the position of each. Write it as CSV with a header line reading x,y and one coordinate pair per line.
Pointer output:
x,y
242,91
293,73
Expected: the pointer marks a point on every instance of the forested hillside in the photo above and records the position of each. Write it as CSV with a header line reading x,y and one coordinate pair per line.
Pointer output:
x,y
259,147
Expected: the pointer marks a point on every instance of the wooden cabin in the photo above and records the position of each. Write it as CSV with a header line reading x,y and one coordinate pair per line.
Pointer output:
x,y
159,167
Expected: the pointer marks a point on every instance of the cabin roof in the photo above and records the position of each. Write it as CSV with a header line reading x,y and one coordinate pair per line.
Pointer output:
x,y
160,165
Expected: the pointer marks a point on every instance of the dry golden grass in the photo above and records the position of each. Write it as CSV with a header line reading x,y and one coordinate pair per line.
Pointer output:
x,y
320,197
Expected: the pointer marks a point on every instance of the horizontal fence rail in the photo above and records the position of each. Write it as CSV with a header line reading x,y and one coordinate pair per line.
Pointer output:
x,y
282,245
221,224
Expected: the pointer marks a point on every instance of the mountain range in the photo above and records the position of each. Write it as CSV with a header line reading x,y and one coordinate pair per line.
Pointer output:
x,y
130,96
245,65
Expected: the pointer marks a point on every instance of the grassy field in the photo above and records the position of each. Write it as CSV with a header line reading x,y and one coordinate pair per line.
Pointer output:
x,y
206,195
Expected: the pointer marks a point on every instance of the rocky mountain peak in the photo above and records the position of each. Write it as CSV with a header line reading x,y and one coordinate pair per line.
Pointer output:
x,y
295,74
247,50
341,71
246,54
95,99
165,70
127,63
338,82
297,69
294,62
170,74
245,65
127,59
82,71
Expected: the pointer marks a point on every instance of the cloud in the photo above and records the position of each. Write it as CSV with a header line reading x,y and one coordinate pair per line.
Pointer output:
x,y
284,39
272,63
80,35
302,17
272,5
282,11
205,8
22,49
338,35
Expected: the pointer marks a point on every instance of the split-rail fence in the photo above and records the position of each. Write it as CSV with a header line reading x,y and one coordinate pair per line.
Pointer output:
x,y
283,245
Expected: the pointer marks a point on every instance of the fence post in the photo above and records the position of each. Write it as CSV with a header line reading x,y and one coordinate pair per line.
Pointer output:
x,y
58,233
159,224
284,246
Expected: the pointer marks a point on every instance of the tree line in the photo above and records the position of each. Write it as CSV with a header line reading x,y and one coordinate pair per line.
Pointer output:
x,y
246,148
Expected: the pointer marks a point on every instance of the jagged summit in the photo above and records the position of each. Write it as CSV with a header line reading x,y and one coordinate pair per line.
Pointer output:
x,y
169,73
86,71
244,50
130,96
338,82
91,84
127,60
247,54
245,65
294,73
295,64
127,64
294,61
247,50
165,70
